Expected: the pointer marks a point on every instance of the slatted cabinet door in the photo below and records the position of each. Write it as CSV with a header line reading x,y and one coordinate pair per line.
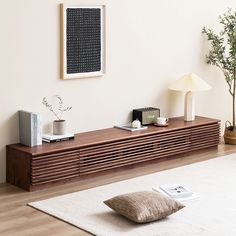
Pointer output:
x,y
205,136
53,167
126,152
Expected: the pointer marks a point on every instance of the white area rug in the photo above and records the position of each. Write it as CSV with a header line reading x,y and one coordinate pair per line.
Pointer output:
x,y
214,213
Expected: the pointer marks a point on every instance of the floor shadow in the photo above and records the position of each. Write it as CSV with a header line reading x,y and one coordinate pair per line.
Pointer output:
x,y
118,222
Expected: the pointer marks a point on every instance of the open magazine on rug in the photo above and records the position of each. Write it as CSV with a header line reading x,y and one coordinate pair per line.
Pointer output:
x,y
176,191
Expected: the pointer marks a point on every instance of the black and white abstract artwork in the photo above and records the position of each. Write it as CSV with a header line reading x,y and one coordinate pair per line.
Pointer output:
x,y
83,41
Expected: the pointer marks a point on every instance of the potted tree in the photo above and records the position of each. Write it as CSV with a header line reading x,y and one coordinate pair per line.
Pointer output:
x,y
223,55
59,125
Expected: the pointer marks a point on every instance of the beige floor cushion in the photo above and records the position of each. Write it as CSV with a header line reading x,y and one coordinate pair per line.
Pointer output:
x,y
144,206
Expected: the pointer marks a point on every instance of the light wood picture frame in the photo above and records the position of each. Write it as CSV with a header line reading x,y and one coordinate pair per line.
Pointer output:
x,y
82,41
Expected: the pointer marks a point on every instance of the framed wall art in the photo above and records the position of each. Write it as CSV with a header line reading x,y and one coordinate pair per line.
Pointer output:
x,y
83,41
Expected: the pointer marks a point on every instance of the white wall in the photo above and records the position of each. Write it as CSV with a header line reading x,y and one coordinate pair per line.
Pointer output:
x,y
149,43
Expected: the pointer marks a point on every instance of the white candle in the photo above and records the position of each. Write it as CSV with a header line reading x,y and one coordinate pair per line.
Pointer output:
x,y
136,124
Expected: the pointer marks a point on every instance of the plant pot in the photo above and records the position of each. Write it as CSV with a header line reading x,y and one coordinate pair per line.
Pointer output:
x,y
230,134
59,127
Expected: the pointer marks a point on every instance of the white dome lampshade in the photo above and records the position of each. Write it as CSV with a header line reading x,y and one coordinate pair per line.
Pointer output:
x,y
189,83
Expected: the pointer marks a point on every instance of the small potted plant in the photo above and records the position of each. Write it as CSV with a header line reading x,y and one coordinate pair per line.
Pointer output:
x,y
223,55
59,125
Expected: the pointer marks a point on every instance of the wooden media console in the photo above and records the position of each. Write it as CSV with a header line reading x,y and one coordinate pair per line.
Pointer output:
x,y
101,150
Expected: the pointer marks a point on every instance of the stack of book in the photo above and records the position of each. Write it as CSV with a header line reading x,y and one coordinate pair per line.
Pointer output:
x,y
176,191
51,138
30,128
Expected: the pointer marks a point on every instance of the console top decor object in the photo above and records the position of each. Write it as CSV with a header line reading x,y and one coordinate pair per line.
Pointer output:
x,y
189,83
93,153
146,115
59,125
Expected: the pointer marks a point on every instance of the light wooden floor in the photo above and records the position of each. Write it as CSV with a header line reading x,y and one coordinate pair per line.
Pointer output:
x,y
17,219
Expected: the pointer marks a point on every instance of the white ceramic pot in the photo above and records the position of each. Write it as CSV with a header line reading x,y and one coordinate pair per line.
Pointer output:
x,y
59,127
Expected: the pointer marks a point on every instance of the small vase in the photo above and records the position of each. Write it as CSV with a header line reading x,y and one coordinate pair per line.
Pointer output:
x,y
59,127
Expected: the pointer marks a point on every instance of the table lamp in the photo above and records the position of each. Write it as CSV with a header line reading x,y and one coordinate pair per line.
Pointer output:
x,y
189,83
